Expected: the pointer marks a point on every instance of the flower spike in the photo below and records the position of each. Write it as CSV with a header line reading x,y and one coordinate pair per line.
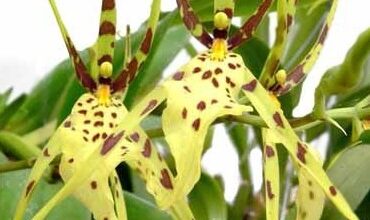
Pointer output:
x,y
82,74
193,24
248,28
132,67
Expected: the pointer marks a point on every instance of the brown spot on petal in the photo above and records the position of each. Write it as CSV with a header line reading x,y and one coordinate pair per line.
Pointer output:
x,y
107,28
197,70
215,82
95,137
93,185
187,89
196,124
184,113
46,152
207,74
311,195
165,179
270,194
250,86
99,113
149,107
29,187
83,112
301,151
269,151
67,124
231,66
218,71
70,160
98,124
178,76
278,120
323,34
333,191
145,46
201,105
147,148
110,142
135,137
108,5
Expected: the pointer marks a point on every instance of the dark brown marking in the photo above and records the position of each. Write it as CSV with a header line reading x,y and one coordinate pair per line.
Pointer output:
x,y
46,152
270,194
149,107
79,104
71,160
278,120
301,152
165,179
89,100
85,139
110,142
207,74
104,135
214,101
135,137
201,105
85,131
98,124
83,112
147,148
196,124
231,66
95,137
187,89
105,58
250,86
218,71
297,73
108,5
159,156
93,185
323,34
197,70
114,115
67,124
215,82
29,187
289,19
333,191
178,76
107,28
311,195
184,113
145,45
269,151
99,113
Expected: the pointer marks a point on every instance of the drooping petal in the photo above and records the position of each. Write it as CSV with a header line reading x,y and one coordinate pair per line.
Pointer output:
x,y
199,93
310,197
248,28
283,132
271,175
131,69
300,71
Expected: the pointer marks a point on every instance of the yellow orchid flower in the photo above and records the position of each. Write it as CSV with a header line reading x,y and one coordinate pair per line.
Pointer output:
x,y
91,123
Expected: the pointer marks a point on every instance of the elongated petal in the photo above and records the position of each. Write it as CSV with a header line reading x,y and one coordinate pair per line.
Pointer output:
x,y
285,14
104,46
193,24
271,175
131,69
310,197
300,71
82,75
246,31
281,129
200,92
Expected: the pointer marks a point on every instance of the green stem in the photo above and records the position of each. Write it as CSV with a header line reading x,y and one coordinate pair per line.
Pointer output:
x,y
16,165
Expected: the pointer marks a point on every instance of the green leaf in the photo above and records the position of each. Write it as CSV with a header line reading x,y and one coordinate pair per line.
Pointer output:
x,y
14,145
10,110
350,173
241,201
139,209
207,200
4,99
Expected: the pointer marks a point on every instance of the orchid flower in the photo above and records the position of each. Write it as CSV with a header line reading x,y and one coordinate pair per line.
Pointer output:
x,y
208,87
91,123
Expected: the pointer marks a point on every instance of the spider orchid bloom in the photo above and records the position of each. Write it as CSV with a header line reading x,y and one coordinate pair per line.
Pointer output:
x,y
207,87
92,122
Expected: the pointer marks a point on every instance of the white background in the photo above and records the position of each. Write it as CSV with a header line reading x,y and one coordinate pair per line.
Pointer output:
x,y
30,45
